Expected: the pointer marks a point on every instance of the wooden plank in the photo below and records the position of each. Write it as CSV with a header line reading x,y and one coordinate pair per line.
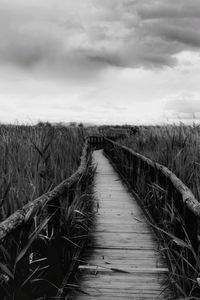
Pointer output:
x,y
118,297
122,254
122,259
97,268
121,240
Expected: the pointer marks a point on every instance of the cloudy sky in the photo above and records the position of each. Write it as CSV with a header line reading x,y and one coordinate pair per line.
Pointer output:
x,y
101,61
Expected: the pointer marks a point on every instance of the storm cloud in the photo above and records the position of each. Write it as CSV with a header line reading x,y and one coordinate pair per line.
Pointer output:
x,y
92,56
81,38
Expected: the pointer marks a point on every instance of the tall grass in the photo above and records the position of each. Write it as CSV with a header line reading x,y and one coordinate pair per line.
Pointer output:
x,y
34,159
183,260
176,147
37,259
42,263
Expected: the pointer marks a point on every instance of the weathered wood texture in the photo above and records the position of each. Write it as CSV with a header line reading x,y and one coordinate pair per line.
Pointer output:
x,y
145,176
122,260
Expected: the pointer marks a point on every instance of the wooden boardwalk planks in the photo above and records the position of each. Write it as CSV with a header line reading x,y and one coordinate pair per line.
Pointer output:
x,y
122,259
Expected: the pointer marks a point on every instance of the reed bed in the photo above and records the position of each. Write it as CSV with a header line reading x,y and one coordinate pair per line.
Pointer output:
x,y
41,169
178,148
38,260
34,159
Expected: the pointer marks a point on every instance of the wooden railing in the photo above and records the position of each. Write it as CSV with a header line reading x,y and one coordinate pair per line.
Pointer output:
x,y
35,238
171,209
168,200
96,142
148,177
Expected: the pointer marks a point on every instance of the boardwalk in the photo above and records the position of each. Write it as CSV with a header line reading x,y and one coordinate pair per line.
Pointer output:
x,y
122,259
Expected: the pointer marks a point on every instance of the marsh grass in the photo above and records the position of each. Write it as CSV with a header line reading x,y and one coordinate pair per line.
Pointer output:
x,y
34,159
176,147
183,261
37,258
37,261
43,261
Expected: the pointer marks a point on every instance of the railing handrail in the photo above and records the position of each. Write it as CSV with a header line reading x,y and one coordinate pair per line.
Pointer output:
x,y
187,196
30,209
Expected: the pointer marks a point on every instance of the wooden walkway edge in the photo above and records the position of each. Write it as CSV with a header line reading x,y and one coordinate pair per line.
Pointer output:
x,y
122,260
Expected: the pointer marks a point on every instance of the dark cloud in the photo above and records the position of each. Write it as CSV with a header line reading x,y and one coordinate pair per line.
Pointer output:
x,y
79,39
182,35
173,10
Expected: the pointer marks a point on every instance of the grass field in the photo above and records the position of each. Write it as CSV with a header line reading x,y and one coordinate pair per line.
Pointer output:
x,y
33,159
35,258
176,147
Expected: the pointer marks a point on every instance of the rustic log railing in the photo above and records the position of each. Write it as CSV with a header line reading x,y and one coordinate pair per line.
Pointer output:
x,y
34,238
168,200
173,209
21,216
143,174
